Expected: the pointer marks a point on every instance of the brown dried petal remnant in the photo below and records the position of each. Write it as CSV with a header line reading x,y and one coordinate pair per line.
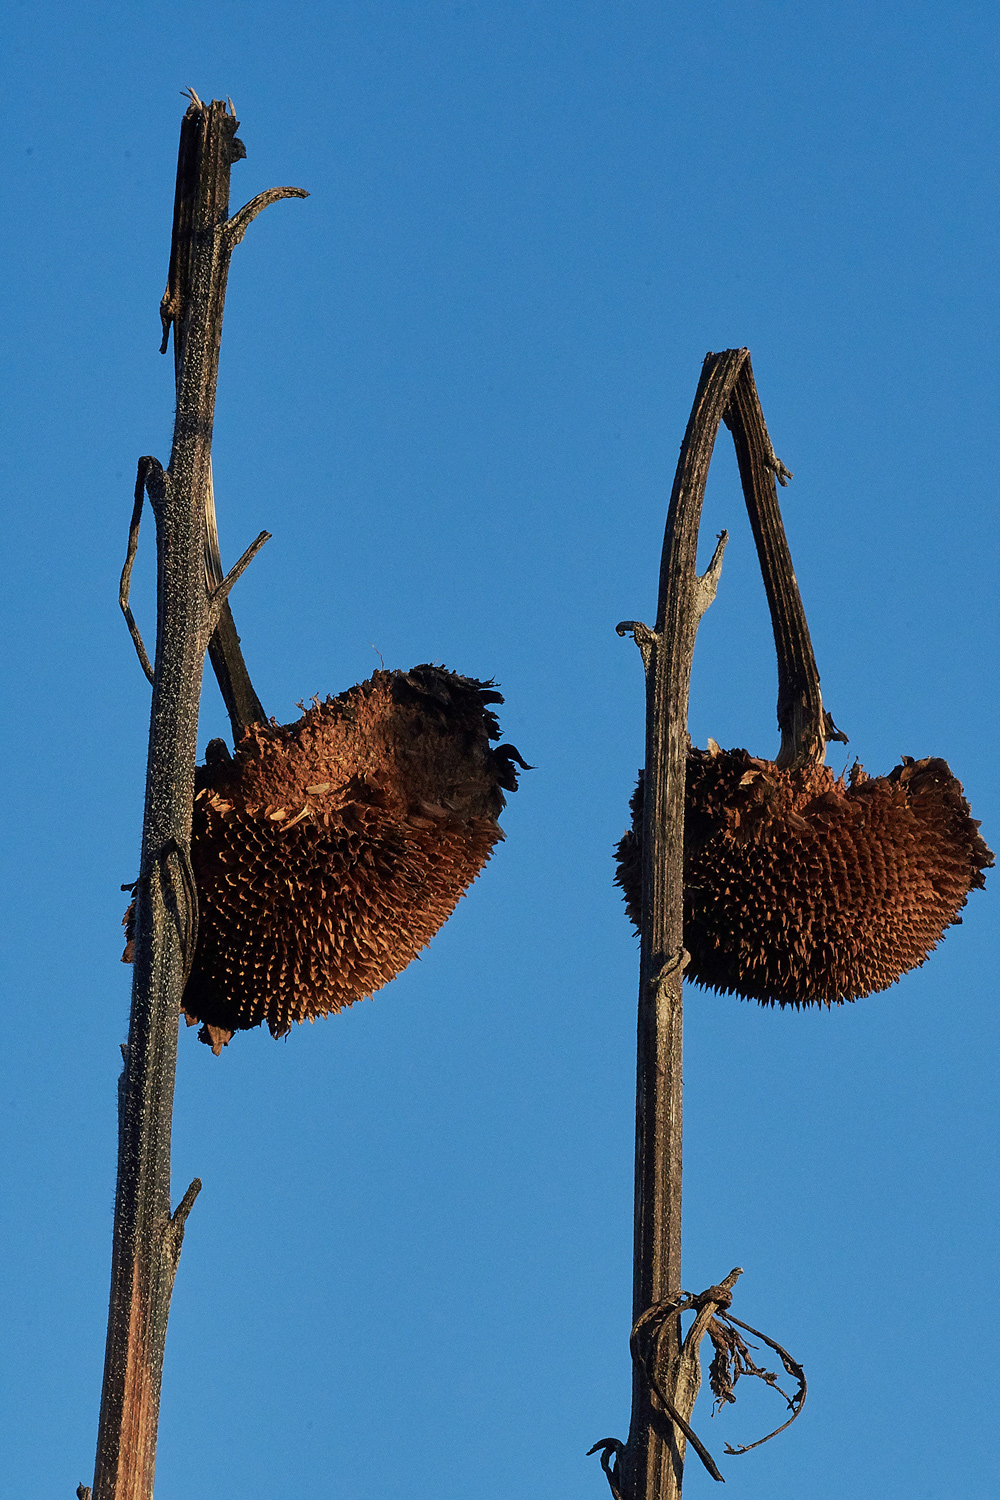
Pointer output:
x,y
804,888
328,852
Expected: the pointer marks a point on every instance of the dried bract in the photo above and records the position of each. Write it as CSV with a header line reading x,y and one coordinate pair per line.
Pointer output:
x,y
805,888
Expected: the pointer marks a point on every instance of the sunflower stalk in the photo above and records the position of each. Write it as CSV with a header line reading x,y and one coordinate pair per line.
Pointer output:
x,y
650,1465
147,1236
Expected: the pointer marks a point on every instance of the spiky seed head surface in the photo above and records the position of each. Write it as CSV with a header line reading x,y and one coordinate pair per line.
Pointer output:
x,y
805,888
328,852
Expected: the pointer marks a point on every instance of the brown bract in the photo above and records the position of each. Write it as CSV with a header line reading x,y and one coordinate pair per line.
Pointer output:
x,y
805,888
328,852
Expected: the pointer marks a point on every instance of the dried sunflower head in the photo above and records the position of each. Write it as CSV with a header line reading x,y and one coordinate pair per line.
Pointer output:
x,y
805,888
328,852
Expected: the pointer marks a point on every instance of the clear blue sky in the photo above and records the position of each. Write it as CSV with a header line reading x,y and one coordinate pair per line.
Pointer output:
x,y
453,386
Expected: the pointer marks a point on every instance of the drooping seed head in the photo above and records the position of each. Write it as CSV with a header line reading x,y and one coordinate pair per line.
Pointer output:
x,y
805,888
328,852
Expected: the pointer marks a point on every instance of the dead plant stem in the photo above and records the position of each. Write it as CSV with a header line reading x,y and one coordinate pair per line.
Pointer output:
x,y
147,1237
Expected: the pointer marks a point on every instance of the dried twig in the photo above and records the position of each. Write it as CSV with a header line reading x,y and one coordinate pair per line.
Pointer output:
x,y
238,225
791,1365
220,594
126,579
611,1451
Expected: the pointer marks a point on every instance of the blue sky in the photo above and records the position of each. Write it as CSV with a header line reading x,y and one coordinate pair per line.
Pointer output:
x,y
453,386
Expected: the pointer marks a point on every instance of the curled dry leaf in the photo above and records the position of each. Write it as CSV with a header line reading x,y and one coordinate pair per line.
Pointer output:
x,y
328,852
805,888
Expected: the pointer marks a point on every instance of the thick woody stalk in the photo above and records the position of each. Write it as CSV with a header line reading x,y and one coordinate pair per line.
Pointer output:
x,y
652,1465
147,1237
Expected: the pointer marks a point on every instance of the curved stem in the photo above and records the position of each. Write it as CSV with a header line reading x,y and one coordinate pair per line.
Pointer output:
x,y
238,225
124,587
805,726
